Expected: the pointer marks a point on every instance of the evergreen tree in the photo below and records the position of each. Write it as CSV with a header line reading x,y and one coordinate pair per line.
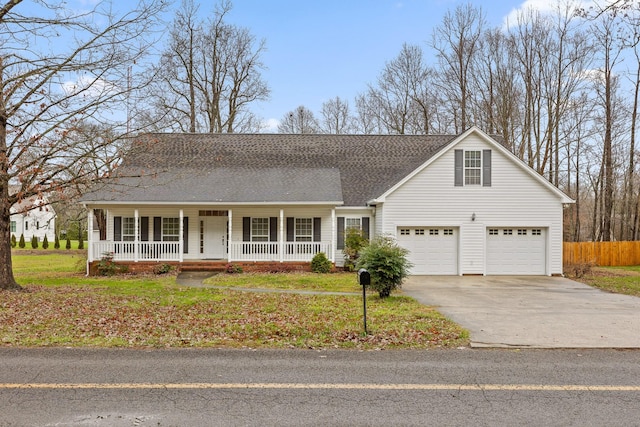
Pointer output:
x,y
56,244
22,244
45,242
34,242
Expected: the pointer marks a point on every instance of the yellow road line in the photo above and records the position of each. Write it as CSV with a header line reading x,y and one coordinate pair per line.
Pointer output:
x,y
322,386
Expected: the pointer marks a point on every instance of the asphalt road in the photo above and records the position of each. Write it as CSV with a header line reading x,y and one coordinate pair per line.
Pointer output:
x,y
80,387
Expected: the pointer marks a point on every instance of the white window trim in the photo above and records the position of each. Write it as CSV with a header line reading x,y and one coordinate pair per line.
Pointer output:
x,y
299,237
477,169
173,237
260,237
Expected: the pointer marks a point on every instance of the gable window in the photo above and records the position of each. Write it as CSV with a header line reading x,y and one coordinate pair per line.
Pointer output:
x,y
472,167
259,229
304,229
170,229
13,226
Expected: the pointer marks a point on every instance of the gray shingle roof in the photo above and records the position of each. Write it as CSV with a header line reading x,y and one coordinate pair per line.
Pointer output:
x,y
267,167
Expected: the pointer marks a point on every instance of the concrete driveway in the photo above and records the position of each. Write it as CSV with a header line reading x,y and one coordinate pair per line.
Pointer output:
x,y
531,311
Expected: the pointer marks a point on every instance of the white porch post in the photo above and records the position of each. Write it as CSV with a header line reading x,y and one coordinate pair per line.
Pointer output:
x,y
230,238
90,235
281,248
333,235
181,238
136,240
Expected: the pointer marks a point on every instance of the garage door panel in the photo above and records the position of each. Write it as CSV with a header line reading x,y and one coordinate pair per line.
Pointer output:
x,y
432,250
516,251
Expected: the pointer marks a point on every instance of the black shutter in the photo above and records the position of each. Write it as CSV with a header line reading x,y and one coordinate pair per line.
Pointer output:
x,y
144,229
317,230
340,232
365,227
290,229
246,229
117,228
273,229
157,229
486,168
459,168
185,235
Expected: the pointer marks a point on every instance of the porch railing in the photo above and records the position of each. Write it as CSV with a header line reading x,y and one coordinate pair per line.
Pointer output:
x,y
136,251
277,251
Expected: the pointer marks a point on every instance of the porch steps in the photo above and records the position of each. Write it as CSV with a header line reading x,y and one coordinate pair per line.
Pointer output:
x,y
217,266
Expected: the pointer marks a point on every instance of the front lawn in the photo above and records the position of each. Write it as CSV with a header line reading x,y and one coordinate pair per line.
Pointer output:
x,y
620,280
63,307
337,282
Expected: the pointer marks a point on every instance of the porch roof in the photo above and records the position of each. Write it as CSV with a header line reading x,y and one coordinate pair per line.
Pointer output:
x,y
225,185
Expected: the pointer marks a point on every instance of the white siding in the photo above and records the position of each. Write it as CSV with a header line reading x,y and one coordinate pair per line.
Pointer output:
x,y
514,199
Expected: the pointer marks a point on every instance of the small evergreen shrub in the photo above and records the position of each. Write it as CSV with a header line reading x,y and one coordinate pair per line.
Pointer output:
x,y
320,263
14,242
34,242
22,243
56,244
106,266
45,242
68,245
387,264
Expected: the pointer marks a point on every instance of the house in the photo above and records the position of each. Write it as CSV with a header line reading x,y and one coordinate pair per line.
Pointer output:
x,y
462,204
31,217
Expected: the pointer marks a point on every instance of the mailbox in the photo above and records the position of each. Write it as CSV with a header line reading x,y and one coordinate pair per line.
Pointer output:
x,y
364,278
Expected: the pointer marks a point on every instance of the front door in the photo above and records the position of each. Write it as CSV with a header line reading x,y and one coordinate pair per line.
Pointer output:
x,y
214,237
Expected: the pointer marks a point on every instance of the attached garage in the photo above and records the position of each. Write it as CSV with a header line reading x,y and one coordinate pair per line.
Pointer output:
x,y
432,250
518,251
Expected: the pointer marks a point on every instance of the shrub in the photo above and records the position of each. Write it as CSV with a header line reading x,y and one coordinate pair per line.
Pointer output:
x,y
14,242
34,242
22,244
387,264
81,244
68,245
162,268
320,263
106,266
45,242
354,241
233,269
56,244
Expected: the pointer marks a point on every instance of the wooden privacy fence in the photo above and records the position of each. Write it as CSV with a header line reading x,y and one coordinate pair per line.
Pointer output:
x,y
602,253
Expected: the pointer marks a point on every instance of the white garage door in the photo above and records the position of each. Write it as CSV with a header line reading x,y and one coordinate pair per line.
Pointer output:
x,y
432,250
516,251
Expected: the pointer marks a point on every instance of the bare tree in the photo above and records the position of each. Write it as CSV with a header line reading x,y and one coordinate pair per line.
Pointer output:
x,y
300,120
47,89
209,74
336,118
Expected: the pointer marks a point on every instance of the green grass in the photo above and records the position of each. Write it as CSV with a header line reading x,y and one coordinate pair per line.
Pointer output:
x,y
620,280
62,307
337,282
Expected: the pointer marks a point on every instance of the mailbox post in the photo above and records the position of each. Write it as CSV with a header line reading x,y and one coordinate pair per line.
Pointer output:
x,y
364,278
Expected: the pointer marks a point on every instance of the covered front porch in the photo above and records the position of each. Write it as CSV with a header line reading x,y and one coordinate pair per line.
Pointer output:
x,y
242,234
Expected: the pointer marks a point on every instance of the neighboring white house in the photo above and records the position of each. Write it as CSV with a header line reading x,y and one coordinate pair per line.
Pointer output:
x,y
31,217
461,204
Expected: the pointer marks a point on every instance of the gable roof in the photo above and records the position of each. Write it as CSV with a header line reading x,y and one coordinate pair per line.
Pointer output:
x,y
496,145
263,168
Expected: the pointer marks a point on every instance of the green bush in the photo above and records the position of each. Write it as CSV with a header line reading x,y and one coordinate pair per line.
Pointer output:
x,y
56,244
387,264
354,241
106,266
34,242
162,268
320,263
68,245
233,269
14,242
22,244
45,242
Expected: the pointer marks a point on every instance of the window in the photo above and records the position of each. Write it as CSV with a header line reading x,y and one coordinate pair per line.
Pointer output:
x,y
448,232
522,232
434,232
420,232
304,229
13,226
128,229
259,229
26,225
507,232
405,232
352,223
170,229
37,225
536,232
493,232
472,167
